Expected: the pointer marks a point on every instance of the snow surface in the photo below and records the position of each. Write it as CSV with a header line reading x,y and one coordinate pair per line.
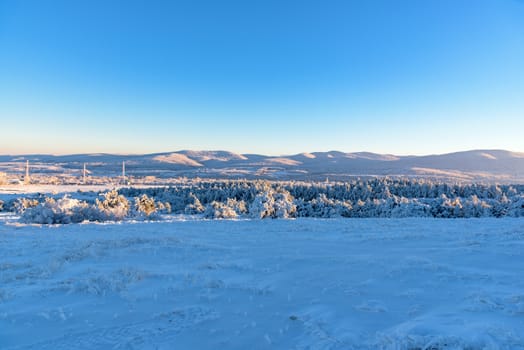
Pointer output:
x,y
175,158
263,284
25,189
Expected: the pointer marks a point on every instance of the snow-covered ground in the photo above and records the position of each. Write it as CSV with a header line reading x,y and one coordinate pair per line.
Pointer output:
x,y
264,284
28,189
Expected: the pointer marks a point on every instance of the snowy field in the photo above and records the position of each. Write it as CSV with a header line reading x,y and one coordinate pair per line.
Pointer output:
x,y
264,284
31,189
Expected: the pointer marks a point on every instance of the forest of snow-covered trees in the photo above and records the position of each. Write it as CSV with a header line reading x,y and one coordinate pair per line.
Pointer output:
x,y
263,199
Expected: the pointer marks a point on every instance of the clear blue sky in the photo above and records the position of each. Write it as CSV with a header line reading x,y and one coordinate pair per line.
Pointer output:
x,y
264,76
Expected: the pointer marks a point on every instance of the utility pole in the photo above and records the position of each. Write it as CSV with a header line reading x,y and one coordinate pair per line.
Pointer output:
x,y
124,172
26,178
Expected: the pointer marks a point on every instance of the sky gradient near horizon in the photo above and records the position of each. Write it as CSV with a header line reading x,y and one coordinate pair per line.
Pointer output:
x,y
272,77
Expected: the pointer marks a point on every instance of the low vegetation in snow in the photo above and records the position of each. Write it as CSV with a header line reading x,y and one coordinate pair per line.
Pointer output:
x,y
225,199
110,207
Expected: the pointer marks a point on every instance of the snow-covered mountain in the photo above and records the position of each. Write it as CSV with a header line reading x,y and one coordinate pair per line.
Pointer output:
x,y
476,165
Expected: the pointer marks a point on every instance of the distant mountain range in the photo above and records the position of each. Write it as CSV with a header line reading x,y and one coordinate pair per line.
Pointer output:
x,y
477,165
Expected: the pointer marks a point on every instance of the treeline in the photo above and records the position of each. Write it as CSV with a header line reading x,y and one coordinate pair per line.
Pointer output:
x,y
264,199
357,199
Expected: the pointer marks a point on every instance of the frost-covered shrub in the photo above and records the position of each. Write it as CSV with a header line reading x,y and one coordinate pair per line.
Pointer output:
x,y
145,205
22,204
63,211
113,206
262,206
146,208
284,206
217,210
323,207
163,208
194,206
474,207
239,206
272,204
447,208
517,207
403,208
1,205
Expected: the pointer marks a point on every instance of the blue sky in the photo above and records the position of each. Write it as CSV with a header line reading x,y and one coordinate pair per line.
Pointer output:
x,y
273,76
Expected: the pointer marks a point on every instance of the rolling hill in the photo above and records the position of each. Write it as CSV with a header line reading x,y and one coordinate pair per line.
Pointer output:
x,y
476,165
